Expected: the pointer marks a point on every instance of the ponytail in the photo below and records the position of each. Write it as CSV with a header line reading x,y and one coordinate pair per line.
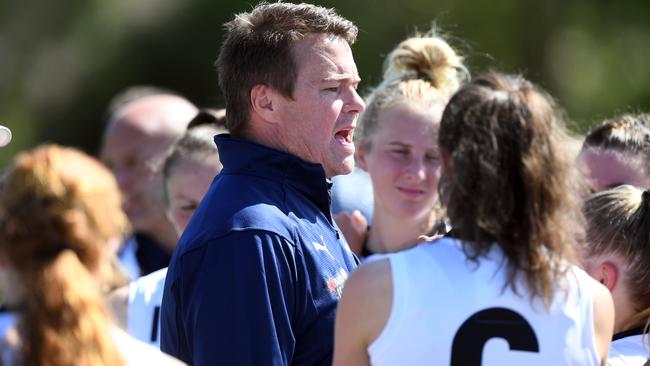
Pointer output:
x,y
423,70
618,222
59,210
65,321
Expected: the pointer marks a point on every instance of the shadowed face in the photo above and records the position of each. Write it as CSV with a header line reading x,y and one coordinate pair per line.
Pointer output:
x,y
187,183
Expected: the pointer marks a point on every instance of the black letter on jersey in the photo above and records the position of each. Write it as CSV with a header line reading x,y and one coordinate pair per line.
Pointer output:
x,y
467,348
154,324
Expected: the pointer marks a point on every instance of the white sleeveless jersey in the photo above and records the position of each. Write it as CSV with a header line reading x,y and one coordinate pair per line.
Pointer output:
x,y
143,312
448,310
629,351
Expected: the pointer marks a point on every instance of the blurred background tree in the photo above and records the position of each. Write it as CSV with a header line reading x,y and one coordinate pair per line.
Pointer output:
x,y
61,61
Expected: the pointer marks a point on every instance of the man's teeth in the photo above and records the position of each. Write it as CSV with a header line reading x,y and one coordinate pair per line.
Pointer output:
x,y
345,136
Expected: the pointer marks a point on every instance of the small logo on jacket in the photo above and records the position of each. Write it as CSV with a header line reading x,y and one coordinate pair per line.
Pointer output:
x,y
322,247
335,284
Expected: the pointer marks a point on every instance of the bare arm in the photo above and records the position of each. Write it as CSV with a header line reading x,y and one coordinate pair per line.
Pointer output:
x,y
362,312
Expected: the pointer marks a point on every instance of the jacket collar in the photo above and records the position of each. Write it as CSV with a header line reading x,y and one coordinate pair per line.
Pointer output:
x,y
247,157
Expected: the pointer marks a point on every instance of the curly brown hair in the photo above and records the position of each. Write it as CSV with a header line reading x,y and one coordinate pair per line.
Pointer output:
x,y
510,180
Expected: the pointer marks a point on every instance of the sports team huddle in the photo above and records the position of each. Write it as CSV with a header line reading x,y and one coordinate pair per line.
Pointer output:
x,y
442,219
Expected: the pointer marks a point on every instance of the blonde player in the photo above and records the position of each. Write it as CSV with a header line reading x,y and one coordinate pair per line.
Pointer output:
x,y
617,254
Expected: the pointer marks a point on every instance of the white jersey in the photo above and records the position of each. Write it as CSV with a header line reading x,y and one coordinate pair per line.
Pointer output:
x,y
629,351
128,260
134,352
448,310
143,312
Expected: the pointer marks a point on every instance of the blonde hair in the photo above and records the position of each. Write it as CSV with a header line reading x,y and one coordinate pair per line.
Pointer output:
x,y
422,69
59,208
618,222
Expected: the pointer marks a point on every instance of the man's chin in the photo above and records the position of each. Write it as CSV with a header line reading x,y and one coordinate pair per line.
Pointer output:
x,y
343,168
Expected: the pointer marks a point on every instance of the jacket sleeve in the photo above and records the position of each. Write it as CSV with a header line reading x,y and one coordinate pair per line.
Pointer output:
x,y
237,298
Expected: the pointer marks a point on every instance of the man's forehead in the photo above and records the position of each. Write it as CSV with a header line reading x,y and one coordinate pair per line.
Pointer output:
x,y
125,138
326,57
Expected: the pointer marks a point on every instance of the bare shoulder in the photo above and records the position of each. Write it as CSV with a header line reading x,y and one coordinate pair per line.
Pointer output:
x,y
363,312
370,279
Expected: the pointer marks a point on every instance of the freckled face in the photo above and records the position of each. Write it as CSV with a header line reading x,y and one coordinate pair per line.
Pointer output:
x,y
403,160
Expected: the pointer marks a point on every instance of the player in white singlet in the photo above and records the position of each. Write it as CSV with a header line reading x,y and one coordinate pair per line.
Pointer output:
x,y
617,254
192,163
501,288
396,143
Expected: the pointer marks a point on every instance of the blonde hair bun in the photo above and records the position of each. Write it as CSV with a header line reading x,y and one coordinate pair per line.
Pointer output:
x,y
429,58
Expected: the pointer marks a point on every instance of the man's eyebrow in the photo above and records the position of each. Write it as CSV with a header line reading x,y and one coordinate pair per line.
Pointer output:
x,y
340,77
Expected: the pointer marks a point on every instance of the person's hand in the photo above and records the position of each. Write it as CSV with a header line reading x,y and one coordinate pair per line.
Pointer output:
x,y
354,227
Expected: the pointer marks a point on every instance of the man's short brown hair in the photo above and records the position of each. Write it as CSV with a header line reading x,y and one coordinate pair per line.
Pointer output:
x,y
258,50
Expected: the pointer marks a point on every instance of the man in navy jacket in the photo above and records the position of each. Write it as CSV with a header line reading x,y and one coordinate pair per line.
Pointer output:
x,y
258,272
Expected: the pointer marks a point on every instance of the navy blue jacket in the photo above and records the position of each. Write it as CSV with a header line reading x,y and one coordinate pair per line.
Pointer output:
x,y
258,272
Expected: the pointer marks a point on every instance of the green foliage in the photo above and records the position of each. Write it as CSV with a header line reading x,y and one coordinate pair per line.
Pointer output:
x,y
61,61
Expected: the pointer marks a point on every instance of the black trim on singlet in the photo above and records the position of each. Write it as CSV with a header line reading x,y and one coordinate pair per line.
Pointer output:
x,y
365,252
438,229
628,333
5,308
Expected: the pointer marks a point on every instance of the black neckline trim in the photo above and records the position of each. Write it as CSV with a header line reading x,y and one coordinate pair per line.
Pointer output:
x,y
5,308
628,333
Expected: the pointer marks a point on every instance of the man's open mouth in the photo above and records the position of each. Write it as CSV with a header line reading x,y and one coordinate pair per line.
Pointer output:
x,y
344,136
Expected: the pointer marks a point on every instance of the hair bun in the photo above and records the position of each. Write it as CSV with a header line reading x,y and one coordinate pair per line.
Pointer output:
x,y
645,196
428,58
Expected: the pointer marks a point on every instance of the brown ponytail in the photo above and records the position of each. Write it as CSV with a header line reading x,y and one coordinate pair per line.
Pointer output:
x,y
59,208
65,321
510,180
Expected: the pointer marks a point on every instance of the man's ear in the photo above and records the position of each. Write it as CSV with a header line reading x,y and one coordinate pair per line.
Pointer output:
x,y
264,102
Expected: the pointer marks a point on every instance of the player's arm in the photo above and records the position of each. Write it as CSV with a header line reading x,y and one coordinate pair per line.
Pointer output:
x,y
362,312
603,319
239,298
